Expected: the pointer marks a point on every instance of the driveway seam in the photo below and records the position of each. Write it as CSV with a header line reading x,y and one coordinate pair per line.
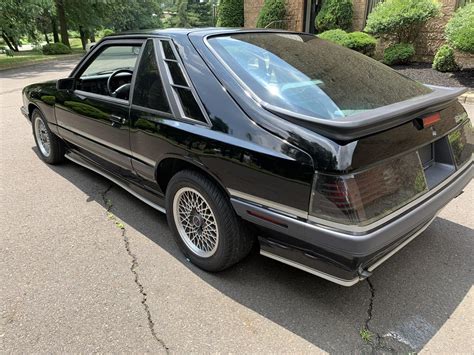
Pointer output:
x,y
133,267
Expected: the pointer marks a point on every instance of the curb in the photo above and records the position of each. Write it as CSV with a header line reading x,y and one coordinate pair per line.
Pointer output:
x,y
467,98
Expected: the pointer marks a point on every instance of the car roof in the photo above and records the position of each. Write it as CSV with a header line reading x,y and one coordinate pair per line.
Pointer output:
x,y
177,32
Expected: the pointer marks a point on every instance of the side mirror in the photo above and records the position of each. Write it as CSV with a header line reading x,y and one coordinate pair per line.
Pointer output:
x,y
67,84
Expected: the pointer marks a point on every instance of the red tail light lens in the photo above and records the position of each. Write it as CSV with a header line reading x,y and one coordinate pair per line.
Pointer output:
x,y
365,196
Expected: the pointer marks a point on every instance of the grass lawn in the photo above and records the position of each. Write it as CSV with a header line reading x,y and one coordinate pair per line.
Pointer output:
x,y
30,57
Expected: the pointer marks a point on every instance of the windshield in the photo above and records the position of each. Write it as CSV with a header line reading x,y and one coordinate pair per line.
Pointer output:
x,y
306,75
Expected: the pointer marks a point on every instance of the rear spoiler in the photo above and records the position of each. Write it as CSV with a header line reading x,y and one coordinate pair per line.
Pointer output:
x,y
375,120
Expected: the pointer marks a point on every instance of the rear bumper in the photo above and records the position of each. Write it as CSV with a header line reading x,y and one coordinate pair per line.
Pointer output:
x,y
340,256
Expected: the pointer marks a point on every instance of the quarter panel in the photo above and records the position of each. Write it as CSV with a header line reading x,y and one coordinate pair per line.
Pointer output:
x,y
282,174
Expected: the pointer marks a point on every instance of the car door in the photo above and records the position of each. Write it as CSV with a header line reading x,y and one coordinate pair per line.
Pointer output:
x,y
93,119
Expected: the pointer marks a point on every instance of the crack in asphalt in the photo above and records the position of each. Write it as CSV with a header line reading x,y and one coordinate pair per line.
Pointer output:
x,y
133,268
376,344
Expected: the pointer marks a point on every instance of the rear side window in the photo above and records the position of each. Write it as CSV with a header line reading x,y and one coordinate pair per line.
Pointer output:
x,y
149,91
188,104
306,75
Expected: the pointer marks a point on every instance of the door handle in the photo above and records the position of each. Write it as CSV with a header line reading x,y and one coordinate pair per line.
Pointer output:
x,y
117,119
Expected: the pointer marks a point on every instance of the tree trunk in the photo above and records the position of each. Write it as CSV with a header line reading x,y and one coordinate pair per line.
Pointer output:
x,y
7,41
83,35
92,36
54,26
62,22
14,43
46,37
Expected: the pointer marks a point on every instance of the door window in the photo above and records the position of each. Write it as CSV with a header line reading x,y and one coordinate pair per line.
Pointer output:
x,y
148,91
95,77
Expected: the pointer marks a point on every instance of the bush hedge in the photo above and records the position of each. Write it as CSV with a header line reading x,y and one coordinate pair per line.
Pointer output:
x,y
401,18
231,13
56,48
335,14
361,42
444,59
399,53
460,29
358,41
271,11
337,36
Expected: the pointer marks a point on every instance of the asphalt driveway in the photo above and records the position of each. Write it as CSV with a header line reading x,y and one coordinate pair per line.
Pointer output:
x,y
75,278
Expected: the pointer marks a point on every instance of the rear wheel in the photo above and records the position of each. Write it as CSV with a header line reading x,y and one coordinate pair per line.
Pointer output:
x,y
203,222
50,147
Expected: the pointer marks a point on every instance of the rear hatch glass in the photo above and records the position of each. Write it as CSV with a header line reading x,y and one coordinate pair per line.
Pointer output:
x,y
306,75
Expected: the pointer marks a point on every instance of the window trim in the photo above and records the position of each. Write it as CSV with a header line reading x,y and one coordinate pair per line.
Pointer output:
x,y
169,84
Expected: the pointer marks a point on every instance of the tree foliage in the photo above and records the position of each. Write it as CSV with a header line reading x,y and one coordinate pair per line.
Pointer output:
x,y
37,19
335,14
17,18
460,29
271,12
231,13
401,18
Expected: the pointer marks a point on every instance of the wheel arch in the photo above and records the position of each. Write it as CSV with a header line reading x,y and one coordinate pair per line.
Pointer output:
x,y
31,108
169,166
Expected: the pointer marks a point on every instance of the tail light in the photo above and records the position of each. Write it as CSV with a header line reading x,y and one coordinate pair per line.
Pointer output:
x,y
368,195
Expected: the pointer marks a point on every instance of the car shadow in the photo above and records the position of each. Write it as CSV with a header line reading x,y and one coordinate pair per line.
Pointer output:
x,y
412,294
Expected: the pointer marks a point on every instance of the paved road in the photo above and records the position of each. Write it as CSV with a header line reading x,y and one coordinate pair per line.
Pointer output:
x,y
72,281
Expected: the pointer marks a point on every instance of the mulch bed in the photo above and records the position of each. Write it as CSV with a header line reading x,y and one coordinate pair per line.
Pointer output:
x,y
423,73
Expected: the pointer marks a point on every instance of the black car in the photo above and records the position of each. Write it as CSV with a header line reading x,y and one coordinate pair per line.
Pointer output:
x,y
322,157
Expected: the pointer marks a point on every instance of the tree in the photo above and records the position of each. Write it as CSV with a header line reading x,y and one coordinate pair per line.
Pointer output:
x,y
231,13
272,12
335,14
401,18
200,14
61,11
182,13
17,19
125,15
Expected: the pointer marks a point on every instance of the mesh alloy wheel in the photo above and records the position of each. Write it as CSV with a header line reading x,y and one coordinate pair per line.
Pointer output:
x,y
195,222
42,136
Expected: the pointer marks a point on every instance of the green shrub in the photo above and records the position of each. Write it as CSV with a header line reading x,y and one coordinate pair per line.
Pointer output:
x,y
444,59
358,41
106,32
231,13
337,36
272,11
460,29
56,48
361,42
335,14
401,18
399,53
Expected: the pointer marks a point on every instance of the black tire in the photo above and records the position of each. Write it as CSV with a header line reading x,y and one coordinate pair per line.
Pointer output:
x,y
234,238
56,145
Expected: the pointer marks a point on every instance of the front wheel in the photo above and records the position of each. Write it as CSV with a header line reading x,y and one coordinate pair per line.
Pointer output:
x,y
203,222
51,148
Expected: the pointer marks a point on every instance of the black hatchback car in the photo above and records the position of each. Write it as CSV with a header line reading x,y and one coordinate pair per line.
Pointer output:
x,y
329,160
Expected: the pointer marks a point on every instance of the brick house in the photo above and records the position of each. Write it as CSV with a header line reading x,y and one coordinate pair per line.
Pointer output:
x,y
300,15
